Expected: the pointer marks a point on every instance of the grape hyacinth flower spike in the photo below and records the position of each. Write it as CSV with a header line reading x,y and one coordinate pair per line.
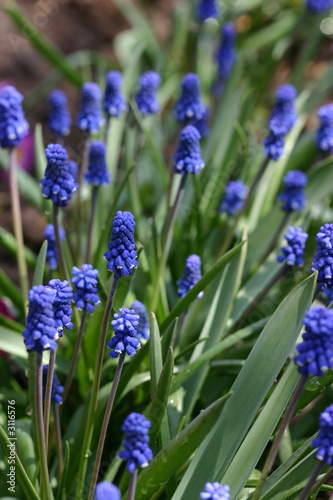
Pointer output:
x,y
201,124
58,183
293,195
61,305
51,253
143,326
323,259
215,491
114,102
293,253
125,333
192,275
137,452
318,6
226,55
107,491
97,174
187,159
57,388
146,99
189,105
233,199
207,9
324,136
85,282
90,118
59,120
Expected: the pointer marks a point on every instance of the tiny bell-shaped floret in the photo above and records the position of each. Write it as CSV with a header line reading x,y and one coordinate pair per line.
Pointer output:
x,y
57,388
58,183
146,99
97,174
215,491
293,253
13,125
189,105
85,282
187,159
107,491
143,326
124,326
192,275
59,120
234,197
114,101
90,118
137,452
324,441
51,253
62,305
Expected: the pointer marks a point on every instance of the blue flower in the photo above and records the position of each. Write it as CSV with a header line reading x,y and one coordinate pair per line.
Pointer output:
x,y
234,196
40,333
59,120
145,99
323,259
192,275
293,195
293,253
315,351
121,255
97,169
318,6
187,159
74,171
90,117
201,124
62,305
143,326
189,105
226,55
324,441
51,253
207,9
114,101
324,136
107,491
13,125
58,183
282,120
214,491
57,388
137,452
85,282
124,325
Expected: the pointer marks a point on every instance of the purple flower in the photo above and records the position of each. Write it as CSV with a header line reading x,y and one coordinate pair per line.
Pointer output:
x,y
57,388
189,105
324,136
107,491
58,183
215,491
146,99
293,253
293,195
121,255
324,441
114,101
137,452
59,120
233,199
207,9
315,354
97,169
124,325
51,254
192,275
143,325
323,259
318,6
187,159
13,125
90,117
201,124
85,282
62,305
226,55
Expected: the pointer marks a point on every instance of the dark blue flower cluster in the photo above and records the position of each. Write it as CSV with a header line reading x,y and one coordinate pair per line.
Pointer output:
x,y
187,159
13,125
324,441
192,275
57,388
201,124
189,105
215,491
315,351
51,254
121,255
318,6
97,169
107,491
234,196
85,282
207,9
293,253
114,101
58,183
59,120
124,325
282,120
137,452
143,326
293,195
90,117
226,55
323,259
40,333
62,305
146,99
324,136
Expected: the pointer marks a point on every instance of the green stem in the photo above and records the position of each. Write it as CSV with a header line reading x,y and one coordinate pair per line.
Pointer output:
x,y
180,327
58,439
47,399
82,168
275,238
61,257
17,226
94,195
107,128
308,487
132,485
75,356
105,425
94,392
44,474
277,441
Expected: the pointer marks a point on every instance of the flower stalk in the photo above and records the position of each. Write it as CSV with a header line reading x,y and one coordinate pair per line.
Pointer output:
x,y
47,399
132,485
62,262
94,196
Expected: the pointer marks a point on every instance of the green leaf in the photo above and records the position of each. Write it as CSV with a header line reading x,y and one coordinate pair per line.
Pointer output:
x,y
12,342
43,46
200,286
40,265
11,324
25,447
8,242
155,353
271,33
249,391
160,396
8,289
62,487
178,451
